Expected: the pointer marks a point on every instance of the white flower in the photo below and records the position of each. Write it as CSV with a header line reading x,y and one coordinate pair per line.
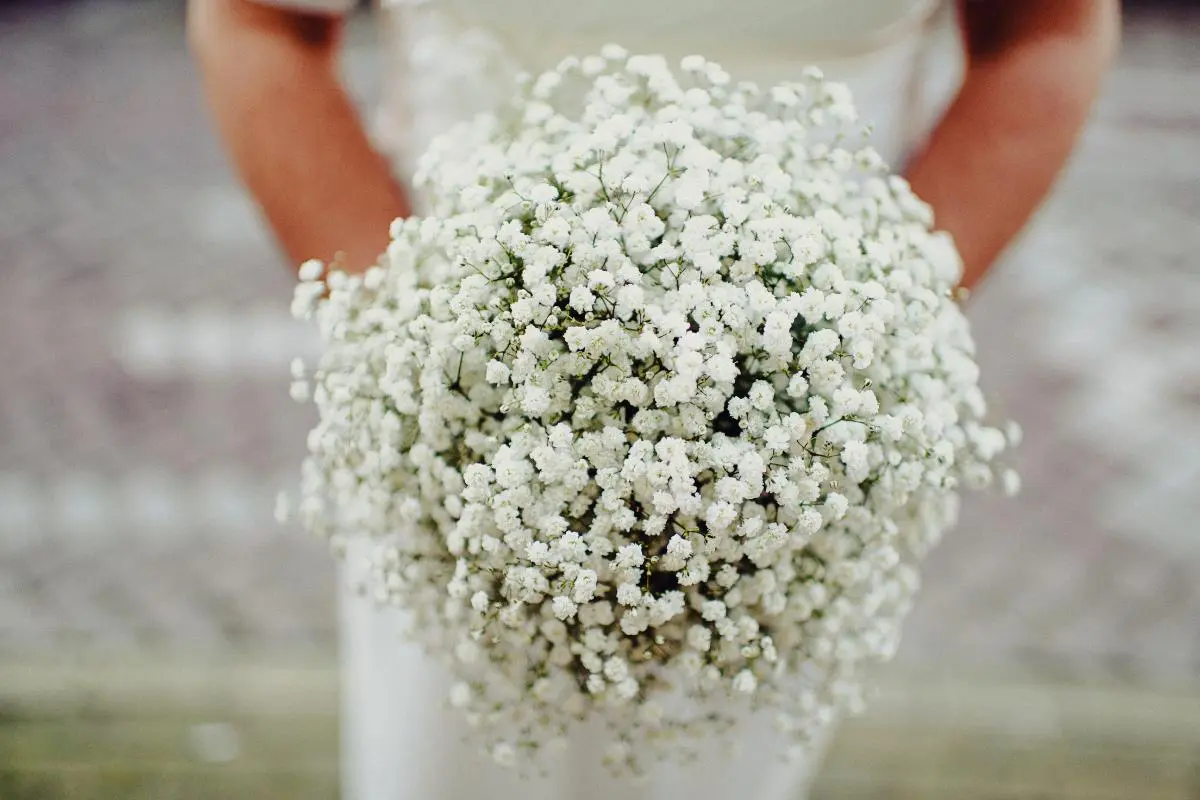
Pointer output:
x,y
564,607
628,594
699,638
836,504
679,548
777,438
479,601
634,621
745,682
497,372
629,556
536,400
627,689
585,586
667,394
311,270
854,456
762,397
720,516
543,193
713,610
582,299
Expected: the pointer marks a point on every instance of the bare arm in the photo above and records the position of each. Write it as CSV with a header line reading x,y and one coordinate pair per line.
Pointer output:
x,y
292,131
1034,69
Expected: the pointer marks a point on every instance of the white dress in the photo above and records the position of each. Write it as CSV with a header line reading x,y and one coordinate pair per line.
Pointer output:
x,y
446,59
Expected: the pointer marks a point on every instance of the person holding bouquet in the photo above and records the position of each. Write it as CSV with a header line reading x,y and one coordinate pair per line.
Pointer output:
x,y
981,151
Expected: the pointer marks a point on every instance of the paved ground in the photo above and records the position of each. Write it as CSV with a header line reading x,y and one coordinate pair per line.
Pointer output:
x,y
144,424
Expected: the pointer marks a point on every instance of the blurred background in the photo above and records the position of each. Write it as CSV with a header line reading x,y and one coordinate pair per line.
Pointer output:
x,y
161,637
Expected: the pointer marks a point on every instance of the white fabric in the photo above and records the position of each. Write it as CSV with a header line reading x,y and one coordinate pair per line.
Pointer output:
x,y
453,58
447,59
319,6
401,741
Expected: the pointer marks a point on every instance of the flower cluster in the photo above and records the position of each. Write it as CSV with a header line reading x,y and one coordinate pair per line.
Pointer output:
x,y
656,412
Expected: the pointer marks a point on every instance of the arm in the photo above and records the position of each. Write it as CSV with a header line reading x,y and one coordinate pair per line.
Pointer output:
x,y
292,131
1033,71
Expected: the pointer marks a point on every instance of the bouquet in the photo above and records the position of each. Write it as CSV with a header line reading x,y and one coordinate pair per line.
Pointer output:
x,y
655,414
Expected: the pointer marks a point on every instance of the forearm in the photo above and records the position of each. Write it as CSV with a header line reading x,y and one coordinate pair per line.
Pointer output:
x,y
296,140
996,153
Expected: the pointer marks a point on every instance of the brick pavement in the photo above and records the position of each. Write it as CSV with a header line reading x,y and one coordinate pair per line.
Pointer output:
x,y
136,469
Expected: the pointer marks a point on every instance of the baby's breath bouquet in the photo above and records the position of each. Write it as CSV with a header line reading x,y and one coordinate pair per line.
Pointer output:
x,y
655,413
